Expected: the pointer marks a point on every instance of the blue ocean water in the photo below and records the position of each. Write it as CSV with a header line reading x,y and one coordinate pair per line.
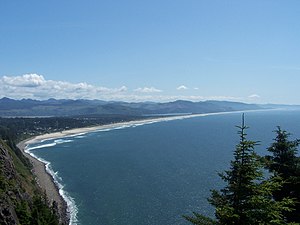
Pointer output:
x,y
154,173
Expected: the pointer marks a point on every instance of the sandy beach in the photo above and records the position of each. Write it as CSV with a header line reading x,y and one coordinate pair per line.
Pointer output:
x,y
46,181
78,131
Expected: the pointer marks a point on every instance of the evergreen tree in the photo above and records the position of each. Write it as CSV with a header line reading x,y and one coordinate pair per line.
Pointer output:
x,y
285,163
247,197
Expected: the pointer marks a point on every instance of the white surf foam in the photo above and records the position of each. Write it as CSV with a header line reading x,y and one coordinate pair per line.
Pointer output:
x,y
71,205
42,146
76,135
79,137
61,141
72,209
55,142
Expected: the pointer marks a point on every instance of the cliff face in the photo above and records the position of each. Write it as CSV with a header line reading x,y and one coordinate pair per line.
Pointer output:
x,y
21,200
7,193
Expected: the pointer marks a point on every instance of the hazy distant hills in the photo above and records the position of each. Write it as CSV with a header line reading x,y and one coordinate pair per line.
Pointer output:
x,y
53,107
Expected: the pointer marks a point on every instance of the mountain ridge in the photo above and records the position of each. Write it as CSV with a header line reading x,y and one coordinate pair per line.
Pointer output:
x,y
69,107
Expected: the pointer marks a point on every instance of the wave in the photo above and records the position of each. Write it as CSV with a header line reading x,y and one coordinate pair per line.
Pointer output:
x,y
76,135
122,127
81,136
61,141
55,142
72,209
41,146
71,204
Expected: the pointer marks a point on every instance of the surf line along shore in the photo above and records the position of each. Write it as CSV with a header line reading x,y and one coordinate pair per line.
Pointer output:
x,y
46,181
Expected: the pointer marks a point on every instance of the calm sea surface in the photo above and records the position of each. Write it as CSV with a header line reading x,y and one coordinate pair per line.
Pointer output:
x,y
154,173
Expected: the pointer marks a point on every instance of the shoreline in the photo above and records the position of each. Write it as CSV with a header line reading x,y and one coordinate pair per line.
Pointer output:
x,y
46,183
83,130
46,179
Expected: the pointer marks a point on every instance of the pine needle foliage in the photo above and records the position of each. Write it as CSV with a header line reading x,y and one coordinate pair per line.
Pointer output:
x,y
285,163
247,196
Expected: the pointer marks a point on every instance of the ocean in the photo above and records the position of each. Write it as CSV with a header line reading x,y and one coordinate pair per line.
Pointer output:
x,y
152,174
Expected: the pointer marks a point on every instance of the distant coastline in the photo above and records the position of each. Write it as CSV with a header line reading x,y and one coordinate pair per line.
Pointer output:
x,y
45,178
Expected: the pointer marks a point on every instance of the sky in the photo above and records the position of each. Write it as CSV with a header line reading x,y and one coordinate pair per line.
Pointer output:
x,y
151,50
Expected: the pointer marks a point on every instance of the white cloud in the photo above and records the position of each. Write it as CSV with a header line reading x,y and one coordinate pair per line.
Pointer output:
x,y
168,98
37,87
26,80
253,96
182,87
122,89
147,90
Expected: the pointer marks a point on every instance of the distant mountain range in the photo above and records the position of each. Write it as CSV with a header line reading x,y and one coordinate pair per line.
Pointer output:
x,y
66,107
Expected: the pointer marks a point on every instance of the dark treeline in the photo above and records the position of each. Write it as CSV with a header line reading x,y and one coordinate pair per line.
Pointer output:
x,y
13,130
249,196
19,128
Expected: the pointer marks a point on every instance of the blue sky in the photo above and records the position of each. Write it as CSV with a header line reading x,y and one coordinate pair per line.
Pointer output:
x,y
162,50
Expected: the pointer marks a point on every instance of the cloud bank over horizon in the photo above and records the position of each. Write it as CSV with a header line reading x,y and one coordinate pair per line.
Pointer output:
x,y
35,86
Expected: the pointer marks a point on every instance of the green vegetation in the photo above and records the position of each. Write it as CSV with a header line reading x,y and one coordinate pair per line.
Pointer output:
x,y
285,163
16,129
249,197
36,213
21,200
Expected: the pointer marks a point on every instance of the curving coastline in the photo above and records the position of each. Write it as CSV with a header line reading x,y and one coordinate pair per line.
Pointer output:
x,y
46,178
46,182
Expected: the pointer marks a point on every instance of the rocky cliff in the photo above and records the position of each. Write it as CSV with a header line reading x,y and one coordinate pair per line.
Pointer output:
x,y
21,200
